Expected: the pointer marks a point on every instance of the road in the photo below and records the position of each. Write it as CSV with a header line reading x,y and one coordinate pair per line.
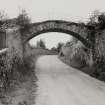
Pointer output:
x,y
59,84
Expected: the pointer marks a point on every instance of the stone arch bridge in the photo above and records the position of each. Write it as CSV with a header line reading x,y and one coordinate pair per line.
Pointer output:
x,y
17,37
77,30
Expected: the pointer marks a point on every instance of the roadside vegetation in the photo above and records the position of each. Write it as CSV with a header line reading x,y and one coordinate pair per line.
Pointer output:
x,y
17,68
91,61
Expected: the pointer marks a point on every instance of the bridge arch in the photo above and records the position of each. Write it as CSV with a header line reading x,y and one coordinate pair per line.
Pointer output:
x,y
55,26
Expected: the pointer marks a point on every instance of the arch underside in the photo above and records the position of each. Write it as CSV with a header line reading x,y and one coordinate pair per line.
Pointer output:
x,y
56,26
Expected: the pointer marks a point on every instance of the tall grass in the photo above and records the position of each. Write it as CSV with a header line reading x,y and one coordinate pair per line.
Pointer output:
x,y
17,77
78,56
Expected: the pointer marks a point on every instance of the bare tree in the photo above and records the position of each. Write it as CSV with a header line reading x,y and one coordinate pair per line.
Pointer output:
x,y
3,16
23,18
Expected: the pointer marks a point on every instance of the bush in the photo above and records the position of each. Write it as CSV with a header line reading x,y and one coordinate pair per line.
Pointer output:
x,y
16,75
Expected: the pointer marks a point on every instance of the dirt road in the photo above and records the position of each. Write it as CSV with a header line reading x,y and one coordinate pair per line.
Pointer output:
x,y
59,84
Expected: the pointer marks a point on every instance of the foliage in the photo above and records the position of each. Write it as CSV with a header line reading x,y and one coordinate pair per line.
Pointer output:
x,y
54,49
23,19
41,44
96,34
93,17
16,74
59,46
78,50
3,16
97,21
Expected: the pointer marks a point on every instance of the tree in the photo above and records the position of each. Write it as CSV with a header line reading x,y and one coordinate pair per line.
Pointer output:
x,y
53,49
41,44
59,46
3,16
94,17
23,19
97,20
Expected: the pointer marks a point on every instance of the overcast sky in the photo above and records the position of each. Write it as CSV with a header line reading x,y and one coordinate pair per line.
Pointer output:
x,y
39,10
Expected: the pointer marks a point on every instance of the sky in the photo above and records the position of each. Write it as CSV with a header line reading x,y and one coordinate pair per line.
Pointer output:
x,y
52,39
41,10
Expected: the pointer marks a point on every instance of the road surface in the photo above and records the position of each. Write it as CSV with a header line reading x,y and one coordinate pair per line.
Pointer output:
x,y
59,84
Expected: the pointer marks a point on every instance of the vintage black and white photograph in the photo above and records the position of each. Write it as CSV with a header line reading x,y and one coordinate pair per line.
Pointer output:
x,y
52,52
